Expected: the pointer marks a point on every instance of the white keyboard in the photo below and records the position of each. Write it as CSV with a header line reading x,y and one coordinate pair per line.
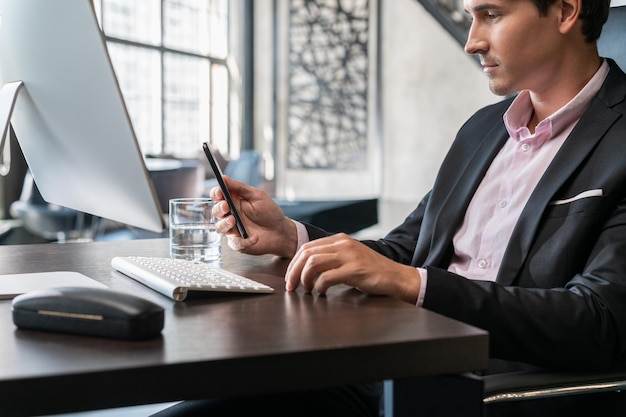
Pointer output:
x,y
175,278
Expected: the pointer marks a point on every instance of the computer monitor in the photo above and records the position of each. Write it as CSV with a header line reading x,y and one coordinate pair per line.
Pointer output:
x,y
69,116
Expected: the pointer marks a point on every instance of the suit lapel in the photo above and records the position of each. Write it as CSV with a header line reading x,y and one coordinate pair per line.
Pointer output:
x,y
589,131
453,209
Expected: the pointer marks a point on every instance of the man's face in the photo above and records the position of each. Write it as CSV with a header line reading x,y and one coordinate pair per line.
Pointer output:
x,y
518,48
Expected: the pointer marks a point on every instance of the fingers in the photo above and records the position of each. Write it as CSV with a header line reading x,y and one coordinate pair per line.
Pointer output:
x,y
239,244
216,193
308,268
317,265
225,222
226,225
221,210
236,189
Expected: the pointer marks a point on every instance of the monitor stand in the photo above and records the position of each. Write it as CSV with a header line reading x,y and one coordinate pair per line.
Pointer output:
x,y
8,96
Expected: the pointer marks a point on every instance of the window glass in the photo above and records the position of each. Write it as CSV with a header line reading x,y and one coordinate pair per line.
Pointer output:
x,y
174,73
138,21
198,26
138,73
219,131
187,102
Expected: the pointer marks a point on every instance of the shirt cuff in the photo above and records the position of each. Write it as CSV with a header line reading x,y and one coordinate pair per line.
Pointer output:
x,y
422,293
303,234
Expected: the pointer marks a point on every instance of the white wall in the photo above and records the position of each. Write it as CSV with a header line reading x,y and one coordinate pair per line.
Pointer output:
x,y
429,88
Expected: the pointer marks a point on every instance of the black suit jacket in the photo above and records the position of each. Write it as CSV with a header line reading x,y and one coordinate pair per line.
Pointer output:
x,y
560,295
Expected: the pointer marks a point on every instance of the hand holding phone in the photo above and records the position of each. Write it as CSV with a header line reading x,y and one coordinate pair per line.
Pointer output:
x,y
220,180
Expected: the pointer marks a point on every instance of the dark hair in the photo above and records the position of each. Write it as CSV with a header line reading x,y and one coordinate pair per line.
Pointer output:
x,y
593,15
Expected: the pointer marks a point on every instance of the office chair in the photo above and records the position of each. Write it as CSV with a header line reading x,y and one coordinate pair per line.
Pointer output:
x,y
246,168
49,221
612,43
519,387
174,178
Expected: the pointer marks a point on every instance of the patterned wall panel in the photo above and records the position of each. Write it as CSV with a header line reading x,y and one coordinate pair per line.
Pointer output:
x,y
328,69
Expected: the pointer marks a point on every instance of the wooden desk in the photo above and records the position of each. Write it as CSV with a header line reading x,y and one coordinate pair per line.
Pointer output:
x,y
222,346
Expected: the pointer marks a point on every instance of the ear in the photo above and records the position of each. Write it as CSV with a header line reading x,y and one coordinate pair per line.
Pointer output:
x,y
569,11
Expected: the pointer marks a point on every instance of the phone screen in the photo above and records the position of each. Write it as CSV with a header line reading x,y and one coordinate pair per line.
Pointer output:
x,y
218,174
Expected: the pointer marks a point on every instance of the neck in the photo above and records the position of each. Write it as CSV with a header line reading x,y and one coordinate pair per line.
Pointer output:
x,y
573,78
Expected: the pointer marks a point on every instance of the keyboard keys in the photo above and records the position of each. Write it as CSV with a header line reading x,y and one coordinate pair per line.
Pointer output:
x,y
176,277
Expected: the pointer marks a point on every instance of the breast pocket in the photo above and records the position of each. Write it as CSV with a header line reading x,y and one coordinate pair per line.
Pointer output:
x,y
591,201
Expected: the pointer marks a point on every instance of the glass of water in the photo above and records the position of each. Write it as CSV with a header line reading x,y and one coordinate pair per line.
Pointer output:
x,y
192,230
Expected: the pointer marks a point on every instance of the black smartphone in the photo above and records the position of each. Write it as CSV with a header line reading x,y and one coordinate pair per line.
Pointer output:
x,y
218,174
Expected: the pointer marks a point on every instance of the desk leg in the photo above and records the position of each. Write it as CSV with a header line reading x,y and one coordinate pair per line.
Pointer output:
x,y
442,396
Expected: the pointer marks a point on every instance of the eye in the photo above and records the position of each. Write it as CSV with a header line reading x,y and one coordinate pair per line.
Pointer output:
x,y
491,15
485,14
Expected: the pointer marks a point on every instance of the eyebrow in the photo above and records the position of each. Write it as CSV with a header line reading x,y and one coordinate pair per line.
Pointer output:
x,y
484,6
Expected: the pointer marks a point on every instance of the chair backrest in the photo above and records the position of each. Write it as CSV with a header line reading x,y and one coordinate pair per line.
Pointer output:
x,y
45,220
246,168
612,43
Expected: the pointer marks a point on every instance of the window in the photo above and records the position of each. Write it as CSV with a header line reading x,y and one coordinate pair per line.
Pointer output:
x,y
172,62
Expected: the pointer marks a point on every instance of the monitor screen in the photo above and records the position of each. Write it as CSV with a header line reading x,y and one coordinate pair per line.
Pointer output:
x,y
69,116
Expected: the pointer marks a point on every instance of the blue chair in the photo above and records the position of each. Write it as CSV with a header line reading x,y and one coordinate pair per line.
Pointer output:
x,y
246,168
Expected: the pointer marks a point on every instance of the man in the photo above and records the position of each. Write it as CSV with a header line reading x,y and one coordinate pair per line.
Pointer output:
x,y
524,231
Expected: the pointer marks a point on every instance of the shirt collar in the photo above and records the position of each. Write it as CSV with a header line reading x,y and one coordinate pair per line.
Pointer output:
x,y
517,116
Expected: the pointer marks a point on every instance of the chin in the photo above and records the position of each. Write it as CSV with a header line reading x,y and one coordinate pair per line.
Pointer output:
x,y
500,89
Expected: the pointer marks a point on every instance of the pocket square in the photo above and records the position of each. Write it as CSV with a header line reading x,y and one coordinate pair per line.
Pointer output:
x,y
585,194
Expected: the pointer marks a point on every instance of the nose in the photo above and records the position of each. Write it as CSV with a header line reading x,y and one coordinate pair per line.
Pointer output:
x,y
476,43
